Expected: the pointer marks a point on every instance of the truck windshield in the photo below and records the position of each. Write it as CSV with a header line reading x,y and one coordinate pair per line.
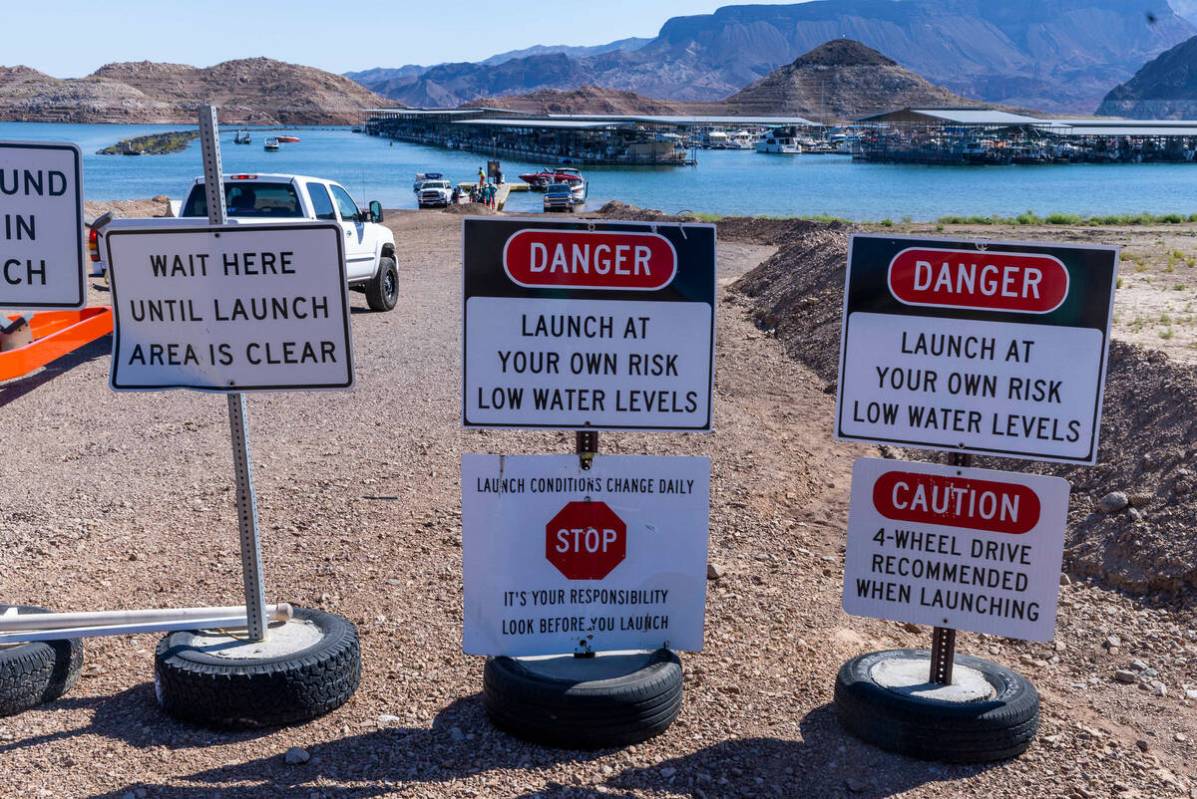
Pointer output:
x,y
265,200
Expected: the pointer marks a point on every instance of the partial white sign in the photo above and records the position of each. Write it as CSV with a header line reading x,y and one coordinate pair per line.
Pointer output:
x,y
558,559
236,308
970,549
41,226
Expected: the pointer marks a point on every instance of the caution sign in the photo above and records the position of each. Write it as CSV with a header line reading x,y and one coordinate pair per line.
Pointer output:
x,y
987,347
41,226
970,549
608,325
230,308
559,559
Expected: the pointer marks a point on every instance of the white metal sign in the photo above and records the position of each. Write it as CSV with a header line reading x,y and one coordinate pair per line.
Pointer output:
x,y
984,347
559,559
230,308
970,549
41,226
599,325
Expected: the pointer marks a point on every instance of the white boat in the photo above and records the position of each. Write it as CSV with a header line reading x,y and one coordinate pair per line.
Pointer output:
x,y
741,140
270,145
781,141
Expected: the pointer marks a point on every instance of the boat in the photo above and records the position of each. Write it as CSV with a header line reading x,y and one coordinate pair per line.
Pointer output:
x,y
270,145
781,141
579,187
288,139
741,140
243,137
539,181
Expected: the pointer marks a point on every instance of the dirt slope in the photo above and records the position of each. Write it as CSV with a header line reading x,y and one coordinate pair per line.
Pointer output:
x,y
251,90
1148,435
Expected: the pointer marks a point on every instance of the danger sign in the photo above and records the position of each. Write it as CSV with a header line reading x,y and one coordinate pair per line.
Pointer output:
x,y
986,347
559,559
41,226
586,540
971,549
577,324
230,308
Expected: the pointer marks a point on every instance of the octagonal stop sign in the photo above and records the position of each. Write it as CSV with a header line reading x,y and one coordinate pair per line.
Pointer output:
x,y
586,540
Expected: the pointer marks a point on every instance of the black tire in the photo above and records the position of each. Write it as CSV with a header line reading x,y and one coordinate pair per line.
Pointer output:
x,y
220,692
382,292
952,732
584,703
37,672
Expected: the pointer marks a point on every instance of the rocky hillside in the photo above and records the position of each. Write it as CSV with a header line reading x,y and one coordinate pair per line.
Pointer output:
x,y
583,100
840,80
254,90
1165,88
1061,55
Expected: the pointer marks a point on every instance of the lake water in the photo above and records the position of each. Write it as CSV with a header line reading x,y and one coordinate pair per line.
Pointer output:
x,y
724,182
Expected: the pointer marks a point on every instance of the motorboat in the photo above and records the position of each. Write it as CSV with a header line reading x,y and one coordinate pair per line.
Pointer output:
x,y
781,141
288,139
270,145
243,137
741,140
540,181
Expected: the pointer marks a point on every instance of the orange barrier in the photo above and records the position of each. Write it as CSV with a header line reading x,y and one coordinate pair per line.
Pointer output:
x,y
55,333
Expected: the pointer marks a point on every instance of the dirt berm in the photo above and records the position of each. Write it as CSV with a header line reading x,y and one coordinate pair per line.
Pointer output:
x,y
1148,434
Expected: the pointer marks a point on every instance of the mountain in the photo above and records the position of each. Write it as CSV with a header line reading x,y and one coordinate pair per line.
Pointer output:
x,y
840,80
583,100
1062,55
392,82
252,90
584,51
1165,88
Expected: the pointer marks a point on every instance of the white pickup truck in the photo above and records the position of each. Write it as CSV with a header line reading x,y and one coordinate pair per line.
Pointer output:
x,y
264,198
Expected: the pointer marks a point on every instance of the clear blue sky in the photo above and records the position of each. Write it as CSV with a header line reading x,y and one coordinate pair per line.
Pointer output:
x,y
70,38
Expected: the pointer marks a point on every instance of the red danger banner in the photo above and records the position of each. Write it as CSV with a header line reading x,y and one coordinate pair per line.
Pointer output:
x,y
620,260
989,281
957,502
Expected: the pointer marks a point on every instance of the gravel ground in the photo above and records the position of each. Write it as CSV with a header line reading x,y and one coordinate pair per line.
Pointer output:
x,y
127,501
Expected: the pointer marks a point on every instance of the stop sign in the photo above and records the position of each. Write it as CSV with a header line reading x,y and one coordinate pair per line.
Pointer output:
x,y
586,540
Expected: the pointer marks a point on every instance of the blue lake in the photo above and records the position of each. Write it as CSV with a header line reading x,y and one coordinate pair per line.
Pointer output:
x,y
724,182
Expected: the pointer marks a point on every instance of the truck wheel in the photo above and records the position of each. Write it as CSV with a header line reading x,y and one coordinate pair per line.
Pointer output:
x,y
307,667
36,672
584,703
382,293
988,713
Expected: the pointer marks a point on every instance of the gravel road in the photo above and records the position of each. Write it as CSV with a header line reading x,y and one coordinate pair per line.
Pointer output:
x,y
120,501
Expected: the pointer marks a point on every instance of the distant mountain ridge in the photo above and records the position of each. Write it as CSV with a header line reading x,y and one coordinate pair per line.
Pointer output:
x,y
1062,55
250,90
1165,88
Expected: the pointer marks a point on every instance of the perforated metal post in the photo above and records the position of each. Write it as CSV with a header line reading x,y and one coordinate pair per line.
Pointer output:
x,y
587,444
247,501
943,639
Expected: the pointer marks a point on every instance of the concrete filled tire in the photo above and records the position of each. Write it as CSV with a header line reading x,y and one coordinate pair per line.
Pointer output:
x,y
37,672
610,700
988,713
307,667
382,292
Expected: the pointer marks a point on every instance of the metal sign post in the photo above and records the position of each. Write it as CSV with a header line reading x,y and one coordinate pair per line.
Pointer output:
x,y
247,502
943,639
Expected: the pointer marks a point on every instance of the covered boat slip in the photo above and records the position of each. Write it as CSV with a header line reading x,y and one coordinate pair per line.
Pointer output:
x,y
986,136
598,139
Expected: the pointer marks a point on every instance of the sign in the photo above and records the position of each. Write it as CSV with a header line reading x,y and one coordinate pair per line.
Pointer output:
x,y
41,226
558,559
607,325
586,540
970,549
986,347
237,308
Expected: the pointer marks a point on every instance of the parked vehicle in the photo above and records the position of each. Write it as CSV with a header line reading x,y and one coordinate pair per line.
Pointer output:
x,y
271,145
437,193
559,197
262,199
423,176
